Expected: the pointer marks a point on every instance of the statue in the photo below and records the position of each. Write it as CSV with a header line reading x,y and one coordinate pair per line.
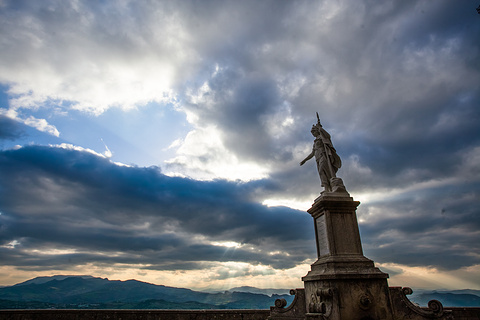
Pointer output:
x,y
328,162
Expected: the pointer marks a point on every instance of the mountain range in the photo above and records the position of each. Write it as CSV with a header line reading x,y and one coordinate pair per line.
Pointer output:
x,y
87,292
453,298
90,292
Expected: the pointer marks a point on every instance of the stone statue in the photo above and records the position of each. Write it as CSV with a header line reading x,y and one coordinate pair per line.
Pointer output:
x,y
328,162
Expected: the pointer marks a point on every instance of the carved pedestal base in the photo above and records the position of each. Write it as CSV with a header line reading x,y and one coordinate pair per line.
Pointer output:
x,y
343,284
346,287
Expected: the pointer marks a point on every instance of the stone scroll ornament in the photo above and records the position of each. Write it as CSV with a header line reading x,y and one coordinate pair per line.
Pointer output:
x,y
328,162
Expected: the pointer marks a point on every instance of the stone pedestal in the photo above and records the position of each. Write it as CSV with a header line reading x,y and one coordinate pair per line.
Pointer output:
x,y
342,283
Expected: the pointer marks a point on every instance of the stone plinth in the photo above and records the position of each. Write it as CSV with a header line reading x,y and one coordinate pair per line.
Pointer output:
x,y
336,228
342,283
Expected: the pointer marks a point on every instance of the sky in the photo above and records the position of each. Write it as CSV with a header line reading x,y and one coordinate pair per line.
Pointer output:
x,y
161,140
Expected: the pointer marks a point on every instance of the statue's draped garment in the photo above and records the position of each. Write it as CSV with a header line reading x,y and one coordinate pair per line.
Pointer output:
x,y
328,162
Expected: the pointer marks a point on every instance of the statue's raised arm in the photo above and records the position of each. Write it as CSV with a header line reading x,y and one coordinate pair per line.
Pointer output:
x,y
328,162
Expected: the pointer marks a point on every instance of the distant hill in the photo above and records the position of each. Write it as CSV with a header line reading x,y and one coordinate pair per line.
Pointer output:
x,y
268,292
40,280
99,293
463,291
87,292
454,298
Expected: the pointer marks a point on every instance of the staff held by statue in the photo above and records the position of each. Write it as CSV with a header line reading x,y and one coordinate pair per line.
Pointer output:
x,y
319,125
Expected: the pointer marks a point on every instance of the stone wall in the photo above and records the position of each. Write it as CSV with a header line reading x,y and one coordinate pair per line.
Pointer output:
x,y
455,313
465,313
134,314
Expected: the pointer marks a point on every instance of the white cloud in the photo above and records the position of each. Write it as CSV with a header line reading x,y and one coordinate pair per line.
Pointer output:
x,y
203,156
78,148
39,124
291,203
42,125
11,245
431,278
91,60
232,274
107,152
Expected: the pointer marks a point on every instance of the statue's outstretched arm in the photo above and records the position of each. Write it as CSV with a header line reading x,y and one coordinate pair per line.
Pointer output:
x,y
310,156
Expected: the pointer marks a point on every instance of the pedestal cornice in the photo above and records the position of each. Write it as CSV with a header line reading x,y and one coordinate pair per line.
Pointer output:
x,y
334,204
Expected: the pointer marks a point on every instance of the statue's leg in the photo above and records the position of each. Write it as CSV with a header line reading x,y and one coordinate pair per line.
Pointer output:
x,y
320,174
324,176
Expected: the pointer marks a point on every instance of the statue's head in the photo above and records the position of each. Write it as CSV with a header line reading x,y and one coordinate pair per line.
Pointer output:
x,y
315,131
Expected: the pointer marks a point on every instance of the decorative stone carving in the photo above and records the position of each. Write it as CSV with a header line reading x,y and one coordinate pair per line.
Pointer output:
x,y
295,311
328,162
405,309
321,302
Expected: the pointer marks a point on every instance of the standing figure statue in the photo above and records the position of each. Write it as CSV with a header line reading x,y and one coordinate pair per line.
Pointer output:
x,y
328,162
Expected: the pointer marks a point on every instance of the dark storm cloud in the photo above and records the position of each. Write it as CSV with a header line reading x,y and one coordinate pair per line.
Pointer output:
x,y
242,116
9,129
396,85
54,198
430,228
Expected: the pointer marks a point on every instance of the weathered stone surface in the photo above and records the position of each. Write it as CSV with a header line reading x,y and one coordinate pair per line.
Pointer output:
x,y
348,299
464,313
296,310
337,218
133,314
342,283
454,313
405,309
328,162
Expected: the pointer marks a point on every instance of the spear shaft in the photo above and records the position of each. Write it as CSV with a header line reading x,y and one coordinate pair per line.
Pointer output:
x,y
327,158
